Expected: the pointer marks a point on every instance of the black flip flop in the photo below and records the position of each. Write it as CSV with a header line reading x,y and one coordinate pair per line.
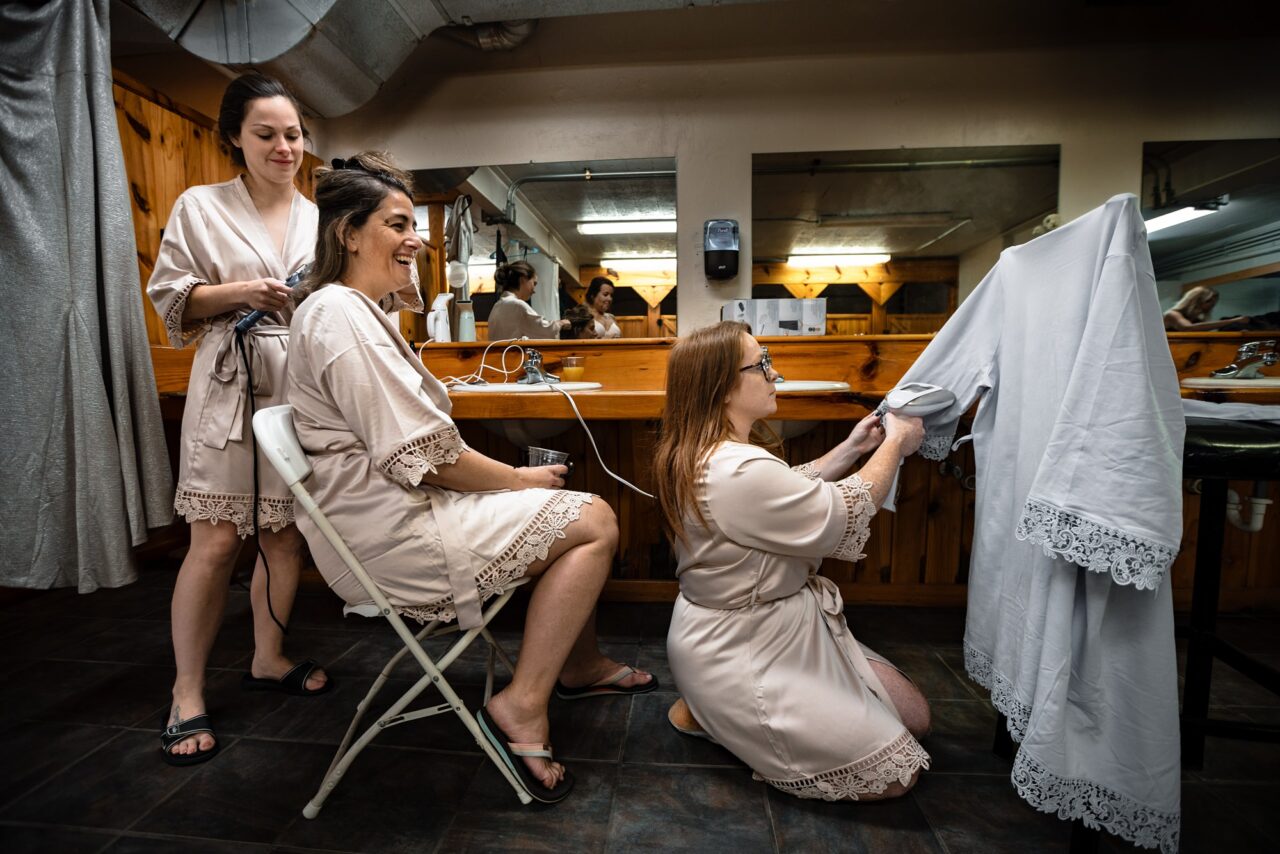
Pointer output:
x,y
607,687
294,682
511,755
174,733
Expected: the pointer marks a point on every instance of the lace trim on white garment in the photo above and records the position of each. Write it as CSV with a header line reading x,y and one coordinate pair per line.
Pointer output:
x,y
897,762
1097,806
1016,713
809,470
859,508
180,336
531,544
408,463
274,514
936,446
1098,548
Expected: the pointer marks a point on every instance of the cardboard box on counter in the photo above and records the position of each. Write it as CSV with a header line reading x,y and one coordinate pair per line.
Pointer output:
x,y
779,316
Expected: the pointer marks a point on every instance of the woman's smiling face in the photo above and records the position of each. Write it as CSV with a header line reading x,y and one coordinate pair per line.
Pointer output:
x,y
383,250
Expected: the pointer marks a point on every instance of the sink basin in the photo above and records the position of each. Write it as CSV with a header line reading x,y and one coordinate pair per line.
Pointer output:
x,y
810,385
525,388
1213,382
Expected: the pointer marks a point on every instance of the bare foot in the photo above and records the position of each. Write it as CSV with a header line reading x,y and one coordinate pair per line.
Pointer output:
x,y
599,669
529,726
265,667
185,707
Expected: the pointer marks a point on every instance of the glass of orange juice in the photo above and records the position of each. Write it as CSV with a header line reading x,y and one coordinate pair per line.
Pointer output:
x,y
573,369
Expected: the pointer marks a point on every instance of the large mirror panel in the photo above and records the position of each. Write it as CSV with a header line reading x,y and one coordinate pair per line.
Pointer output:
x,y
1213,223
572,223
893,239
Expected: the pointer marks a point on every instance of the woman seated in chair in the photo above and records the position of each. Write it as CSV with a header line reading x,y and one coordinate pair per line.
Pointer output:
x,y
439,527
758,642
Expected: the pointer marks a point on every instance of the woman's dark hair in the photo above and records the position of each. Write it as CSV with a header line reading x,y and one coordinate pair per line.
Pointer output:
x,y
242,92
593,289
346,195
508,276
579,317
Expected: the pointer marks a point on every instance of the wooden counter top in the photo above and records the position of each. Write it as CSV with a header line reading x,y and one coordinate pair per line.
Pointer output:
x,y
605,405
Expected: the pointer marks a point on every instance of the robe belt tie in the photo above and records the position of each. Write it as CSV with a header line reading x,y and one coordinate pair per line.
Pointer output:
x,y
224,410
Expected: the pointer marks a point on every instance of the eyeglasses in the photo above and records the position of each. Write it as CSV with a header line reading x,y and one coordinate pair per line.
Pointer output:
x,y
765,364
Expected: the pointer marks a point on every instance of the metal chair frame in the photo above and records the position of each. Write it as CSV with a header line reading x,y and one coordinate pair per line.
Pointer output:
x,y
273,428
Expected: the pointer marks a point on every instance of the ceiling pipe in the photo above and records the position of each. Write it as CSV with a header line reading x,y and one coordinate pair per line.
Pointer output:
x,y
584,175
907,166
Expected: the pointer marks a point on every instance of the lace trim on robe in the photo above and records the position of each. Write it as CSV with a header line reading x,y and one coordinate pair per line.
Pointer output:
x,y
531,544
809,470
897,762
274,514
1098,548
859,508
179,335
1016,713
936,446
408,463
1097,806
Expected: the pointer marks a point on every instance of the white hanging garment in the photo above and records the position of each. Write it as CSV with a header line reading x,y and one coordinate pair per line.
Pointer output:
x,y
1078,443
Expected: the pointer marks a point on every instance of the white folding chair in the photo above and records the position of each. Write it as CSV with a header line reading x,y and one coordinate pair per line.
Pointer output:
x,y
273,428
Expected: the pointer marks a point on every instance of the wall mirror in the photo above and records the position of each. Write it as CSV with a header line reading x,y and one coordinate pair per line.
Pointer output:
x,y
893,239
1213,223
572,222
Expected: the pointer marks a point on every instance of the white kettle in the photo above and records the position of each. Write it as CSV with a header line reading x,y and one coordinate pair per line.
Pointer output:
x,y
438,319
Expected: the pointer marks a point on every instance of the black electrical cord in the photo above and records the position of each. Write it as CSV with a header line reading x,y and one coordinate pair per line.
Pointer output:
x,y
253,446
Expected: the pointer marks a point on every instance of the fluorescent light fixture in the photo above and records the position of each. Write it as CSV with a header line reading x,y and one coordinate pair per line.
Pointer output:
x,y
841,260
1175,218
640,265
629,226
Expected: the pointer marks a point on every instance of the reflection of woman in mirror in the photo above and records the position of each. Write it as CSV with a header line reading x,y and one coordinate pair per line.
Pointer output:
x,y
582,324
512,316
599,299
1191,313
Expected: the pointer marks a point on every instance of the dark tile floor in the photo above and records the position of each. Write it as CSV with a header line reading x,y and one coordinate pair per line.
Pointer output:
x,y
85,682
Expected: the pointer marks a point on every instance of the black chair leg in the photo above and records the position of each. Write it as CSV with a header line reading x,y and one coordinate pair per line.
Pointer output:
x,y
1003,744
1204,618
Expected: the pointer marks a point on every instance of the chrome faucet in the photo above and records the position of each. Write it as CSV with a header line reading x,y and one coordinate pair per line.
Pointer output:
x,y
1249,358
533,370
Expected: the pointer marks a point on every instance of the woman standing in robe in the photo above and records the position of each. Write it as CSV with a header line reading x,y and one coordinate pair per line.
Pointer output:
x,y
758,642
226,252
599,299
440,527
511,316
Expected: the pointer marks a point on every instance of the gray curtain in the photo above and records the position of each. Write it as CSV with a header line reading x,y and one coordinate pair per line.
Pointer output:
x,y
85,470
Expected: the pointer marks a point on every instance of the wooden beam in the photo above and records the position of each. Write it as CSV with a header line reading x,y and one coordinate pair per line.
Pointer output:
x,y
906,270
809,291
1239,275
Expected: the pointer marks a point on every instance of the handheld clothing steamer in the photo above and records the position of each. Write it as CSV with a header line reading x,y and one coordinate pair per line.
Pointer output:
x,y
917,400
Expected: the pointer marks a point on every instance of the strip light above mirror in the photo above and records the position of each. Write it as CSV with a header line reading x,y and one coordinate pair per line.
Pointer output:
x,y
634,226
838,260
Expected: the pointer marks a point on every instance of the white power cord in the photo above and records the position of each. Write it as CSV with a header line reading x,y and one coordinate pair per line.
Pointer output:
x,y
511,345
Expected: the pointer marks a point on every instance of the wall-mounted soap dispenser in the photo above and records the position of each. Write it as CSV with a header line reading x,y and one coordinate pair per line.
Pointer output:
x,y
720,248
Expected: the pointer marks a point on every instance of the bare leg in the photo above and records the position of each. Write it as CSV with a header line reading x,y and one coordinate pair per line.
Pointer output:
x,y
571,578
911,704
913,708
199,600
284,550
586,665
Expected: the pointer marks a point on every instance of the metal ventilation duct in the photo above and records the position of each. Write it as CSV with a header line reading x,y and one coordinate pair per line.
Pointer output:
x,y
336,54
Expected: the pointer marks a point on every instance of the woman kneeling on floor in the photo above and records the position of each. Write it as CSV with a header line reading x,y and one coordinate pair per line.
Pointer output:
x,y
758,641
440,527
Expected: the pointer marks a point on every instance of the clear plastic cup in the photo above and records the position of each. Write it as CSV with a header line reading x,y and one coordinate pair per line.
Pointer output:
x,y
572,369
546,457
